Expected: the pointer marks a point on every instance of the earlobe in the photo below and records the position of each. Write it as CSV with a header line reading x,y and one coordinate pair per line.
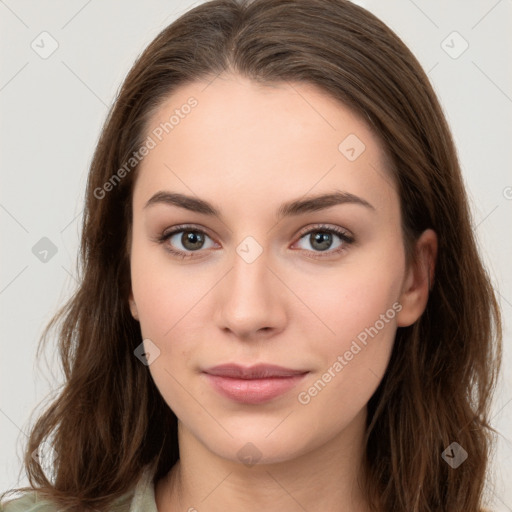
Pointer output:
x,y
419,279
133,307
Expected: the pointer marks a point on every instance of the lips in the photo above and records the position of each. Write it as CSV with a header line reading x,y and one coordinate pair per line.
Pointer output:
x,y
260,371
255,384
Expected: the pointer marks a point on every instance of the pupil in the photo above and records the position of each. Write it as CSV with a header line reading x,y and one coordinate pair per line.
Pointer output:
x,y
323,239
191,238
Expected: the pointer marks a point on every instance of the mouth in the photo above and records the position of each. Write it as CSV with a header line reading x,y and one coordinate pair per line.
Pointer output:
x,y
255,384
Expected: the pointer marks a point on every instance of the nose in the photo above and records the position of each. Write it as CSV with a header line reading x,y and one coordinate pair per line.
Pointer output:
x,y
251,301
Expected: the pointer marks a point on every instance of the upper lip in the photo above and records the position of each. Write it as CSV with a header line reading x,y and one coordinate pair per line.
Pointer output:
x,y
259,371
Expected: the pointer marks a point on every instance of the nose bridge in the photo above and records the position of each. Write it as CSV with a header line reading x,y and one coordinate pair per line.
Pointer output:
x,y
249,298
249,278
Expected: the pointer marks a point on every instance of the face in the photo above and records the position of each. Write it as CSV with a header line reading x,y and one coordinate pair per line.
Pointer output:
x,y
263,274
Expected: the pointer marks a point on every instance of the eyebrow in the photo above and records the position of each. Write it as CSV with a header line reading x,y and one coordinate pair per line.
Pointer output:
x,y
288,209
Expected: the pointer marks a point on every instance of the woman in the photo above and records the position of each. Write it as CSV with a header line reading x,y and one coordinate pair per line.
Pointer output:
x,y
282,306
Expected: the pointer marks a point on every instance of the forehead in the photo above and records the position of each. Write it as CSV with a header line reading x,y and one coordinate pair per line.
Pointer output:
x,y
233,137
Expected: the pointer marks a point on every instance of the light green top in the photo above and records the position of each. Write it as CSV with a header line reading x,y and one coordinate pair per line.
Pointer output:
x,y
141,499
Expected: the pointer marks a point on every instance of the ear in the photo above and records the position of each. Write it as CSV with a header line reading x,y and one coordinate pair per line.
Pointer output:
x,y
133,307
419,279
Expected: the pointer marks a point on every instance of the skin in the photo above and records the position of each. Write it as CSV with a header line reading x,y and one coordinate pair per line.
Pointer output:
x,y
247,148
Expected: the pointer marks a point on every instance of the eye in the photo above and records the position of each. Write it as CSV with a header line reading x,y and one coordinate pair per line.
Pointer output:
x,y
321,239
183,241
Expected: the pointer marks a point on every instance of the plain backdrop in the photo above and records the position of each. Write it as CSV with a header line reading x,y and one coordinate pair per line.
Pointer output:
x,y
52,107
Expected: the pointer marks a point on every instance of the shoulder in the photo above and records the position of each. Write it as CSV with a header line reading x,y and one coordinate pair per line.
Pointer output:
x,y
28,503
139,499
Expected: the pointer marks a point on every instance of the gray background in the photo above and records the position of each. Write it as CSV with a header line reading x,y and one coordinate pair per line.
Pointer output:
x,y
52,110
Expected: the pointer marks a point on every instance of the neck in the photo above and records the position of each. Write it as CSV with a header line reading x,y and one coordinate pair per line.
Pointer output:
x,y
321,478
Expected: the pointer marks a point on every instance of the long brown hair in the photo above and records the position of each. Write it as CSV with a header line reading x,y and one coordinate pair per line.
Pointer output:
x,y
109,421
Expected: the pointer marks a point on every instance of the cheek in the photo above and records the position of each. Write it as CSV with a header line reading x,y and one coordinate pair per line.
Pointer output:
x,y
359,306
336,396
350,299
165,294
354,359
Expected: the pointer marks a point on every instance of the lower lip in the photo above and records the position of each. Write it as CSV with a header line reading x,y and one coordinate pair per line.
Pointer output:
x,y
253,391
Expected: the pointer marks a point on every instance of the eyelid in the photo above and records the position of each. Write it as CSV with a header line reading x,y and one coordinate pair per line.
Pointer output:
x,y
344,234
327,227
184,227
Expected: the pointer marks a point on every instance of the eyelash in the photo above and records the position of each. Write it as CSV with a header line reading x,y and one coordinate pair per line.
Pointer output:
x,y
341,233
